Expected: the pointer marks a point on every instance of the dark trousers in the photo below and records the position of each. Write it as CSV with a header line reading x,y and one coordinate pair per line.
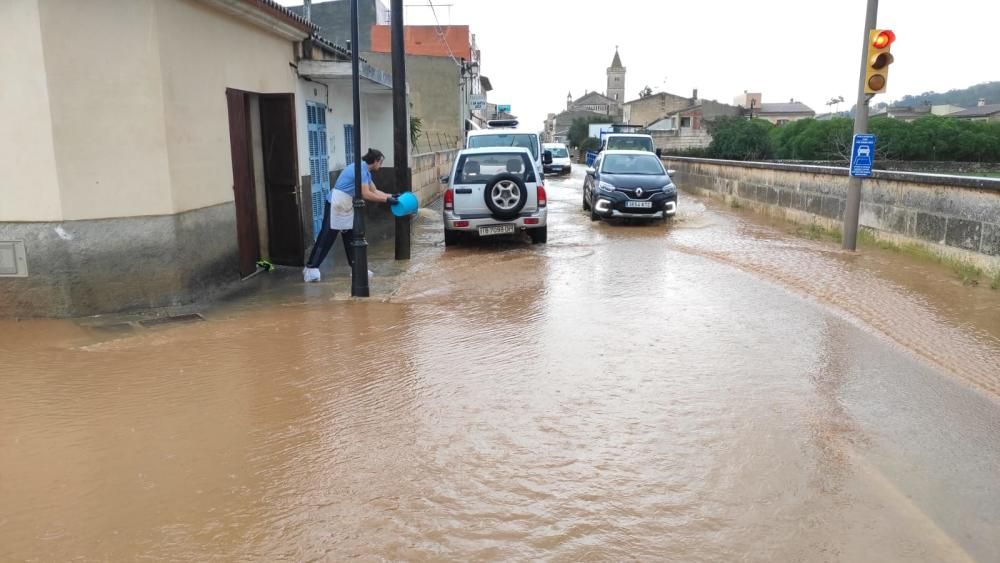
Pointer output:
x,y
324,242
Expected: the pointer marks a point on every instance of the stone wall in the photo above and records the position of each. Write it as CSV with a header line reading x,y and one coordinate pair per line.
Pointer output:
x,y
951,215
673,142
427,171
928,166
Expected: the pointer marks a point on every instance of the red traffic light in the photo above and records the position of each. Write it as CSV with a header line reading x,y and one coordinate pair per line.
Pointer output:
x,y
883,39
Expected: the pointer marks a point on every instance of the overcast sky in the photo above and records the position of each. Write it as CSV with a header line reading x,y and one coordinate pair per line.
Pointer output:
x,y
534,51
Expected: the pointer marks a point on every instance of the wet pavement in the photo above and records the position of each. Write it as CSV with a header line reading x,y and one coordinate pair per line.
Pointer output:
x,y
710,389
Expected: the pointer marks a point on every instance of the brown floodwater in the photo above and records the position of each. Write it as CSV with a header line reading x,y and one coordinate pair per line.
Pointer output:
x,y
712,389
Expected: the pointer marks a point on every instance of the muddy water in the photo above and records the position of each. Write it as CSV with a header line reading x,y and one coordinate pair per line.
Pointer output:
x,y
660,392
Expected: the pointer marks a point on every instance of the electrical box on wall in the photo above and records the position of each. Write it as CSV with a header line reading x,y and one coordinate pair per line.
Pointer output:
x,y
13,259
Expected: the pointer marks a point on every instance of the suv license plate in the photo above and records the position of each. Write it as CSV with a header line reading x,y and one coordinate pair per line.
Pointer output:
x,y
643,204
506,229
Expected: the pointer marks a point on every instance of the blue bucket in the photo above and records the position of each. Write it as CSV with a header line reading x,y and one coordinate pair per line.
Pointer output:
x,y
407,205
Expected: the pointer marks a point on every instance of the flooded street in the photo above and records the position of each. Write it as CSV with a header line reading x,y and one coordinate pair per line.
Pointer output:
x,y
709,389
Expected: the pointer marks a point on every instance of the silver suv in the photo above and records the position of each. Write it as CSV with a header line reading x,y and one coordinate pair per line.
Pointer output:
x,y
495,191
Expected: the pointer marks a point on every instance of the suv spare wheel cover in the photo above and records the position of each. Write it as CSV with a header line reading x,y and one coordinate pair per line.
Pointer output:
x,y
505,195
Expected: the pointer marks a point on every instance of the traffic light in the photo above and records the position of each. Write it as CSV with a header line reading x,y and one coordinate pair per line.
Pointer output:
x,y
878,60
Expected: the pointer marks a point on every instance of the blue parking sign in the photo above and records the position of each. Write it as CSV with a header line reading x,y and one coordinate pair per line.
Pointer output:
x,y
863,155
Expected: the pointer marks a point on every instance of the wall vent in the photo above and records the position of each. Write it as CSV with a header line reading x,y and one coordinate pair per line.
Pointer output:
x,y
13,259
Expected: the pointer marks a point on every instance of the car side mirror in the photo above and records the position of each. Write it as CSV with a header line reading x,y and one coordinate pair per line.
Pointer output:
x,y
444,179
659,153
547,157
671,172
591,172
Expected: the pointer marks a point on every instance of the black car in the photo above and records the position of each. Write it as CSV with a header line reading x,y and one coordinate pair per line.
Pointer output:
x,y
629,184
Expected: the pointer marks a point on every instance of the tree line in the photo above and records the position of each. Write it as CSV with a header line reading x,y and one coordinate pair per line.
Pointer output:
x,y
931,138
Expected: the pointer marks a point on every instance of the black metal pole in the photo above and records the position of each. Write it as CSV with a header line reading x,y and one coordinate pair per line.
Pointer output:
x,y
400,126
359,274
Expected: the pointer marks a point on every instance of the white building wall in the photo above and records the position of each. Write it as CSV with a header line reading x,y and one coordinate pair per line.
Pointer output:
x,y
379,133
203,51
376,120
106,100
29,182
131,121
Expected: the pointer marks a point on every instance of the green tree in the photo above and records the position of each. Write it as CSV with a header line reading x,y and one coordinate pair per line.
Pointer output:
x,y
580,129
589,144
741,139
811,139
936,138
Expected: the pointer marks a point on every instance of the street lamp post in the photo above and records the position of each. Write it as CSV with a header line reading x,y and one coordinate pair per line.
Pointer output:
x,y
359,273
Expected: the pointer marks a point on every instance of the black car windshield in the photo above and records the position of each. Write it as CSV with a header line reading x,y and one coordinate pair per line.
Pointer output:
x,y
630,144
558,152
529,142
643,164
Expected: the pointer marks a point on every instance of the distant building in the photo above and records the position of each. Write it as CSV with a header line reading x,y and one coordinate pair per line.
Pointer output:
x,y
982,112
333,18
780,114
616,81
593,102
749,101
688,128
609,103
442,69
912,113
645,111
558,124
777,113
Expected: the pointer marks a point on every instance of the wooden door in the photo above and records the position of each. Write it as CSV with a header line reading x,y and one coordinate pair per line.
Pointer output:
x,y
243,181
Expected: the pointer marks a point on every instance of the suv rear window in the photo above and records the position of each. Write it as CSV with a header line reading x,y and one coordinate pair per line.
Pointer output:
x,y
479,168
630,144
523,140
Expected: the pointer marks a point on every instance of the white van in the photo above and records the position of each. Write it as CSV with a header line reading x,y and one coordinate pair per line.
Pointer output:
x,y
561,163
505,133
